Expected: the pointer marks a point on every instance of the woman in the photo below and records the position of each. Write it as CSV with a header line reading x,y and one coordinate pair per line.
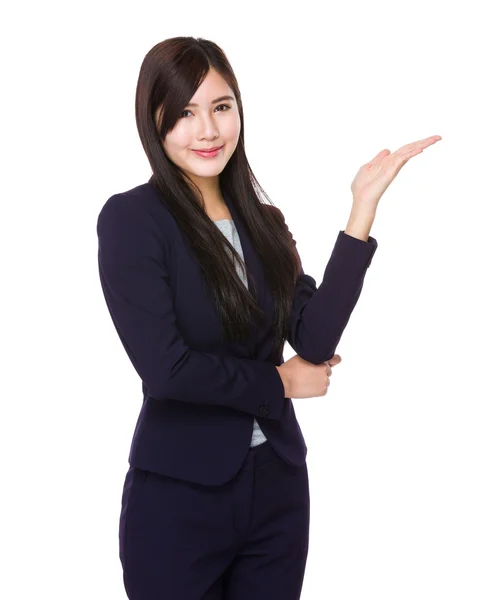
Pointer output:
x,y
204,285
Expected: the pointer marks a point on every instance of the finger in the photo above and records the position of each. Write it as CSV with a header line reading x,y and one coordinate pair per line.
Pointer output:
x,y
424,143
401,160
380,156
397,160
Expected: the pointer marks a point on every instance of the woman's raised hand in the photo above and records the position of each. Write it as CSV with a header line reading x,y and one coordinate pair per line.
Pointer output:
x,y
374,177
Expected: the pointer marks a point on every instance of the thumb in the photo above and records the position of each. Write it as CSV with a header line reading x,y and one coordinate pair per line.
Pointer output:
x,y
335,359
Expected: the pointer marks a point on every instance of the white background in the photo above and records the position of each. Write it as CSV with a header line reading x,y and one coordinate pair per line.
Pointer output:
x,y
404,451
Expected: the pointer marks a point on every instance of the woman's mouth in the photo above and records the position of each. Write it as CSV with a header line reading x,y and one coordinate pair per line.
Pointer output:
x,y
208,153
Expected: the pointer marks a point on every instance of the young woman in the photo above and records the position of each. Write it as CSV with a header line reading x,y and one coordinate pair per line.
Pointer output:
x,y
204,285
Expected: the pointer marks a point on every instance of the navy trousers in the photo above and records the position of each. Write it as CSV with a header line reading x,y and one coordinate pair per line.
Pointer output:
x,y
244,540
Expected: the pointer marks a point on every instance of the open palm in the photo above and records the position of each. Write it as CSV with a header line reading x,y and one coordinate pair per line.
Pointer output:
x,y
374,177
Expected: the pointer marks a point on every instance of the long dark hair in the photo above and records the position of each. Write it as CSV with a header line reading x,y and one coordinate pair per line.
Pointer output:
x,y
169,76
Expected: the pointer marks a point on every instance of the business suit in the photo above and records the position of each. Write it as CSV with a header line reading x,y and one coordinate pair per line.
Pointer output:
x,y
201,393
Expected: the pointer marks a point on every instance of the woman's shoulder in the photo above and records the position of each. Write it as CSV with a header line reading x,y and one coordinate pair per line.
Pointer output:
x,y
142,195
140,202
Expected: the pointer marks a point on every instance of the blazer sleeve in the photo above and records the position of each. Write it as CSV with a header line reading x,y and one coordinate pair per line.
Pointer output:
x,y
135,283
320,315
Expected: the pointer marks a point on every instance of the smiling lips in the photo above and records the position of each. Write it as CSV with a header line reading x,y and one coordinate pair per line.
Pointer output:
x,y
211,152
207,149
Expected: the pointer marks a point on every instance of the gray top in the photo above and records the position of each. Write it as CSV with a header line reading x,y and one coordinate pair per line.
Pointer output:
x,y
227,227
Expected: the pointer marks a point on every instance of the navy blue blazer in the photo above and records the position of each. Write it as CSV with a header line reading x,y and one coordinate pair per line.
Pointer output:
x,y
201,393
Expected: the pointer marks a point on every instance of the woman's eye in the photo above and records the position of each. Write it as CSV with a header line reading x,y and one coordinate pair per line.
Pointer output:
x,y
218,106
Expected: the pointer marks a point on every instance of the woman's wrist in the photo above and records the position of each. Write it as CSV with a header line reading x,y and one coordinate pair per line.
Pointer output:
x,y
360,222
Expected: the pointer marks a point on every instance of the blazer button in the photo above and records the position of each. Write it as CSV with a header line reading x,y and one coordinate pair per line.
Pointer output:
x,y
263,410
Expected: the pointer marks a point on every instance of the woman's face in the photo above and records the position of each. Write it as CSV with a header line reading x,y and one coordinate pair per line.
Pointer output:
x,y
212,123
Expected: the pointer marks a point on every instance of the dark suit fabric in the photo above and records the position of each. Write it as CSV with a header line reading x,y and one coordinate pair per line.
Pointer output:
x,y
205,516
200,393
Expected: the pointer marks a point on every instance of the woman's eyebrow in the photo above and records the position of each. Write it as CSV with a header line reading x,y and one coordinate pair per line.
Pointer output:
x,y
214,101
